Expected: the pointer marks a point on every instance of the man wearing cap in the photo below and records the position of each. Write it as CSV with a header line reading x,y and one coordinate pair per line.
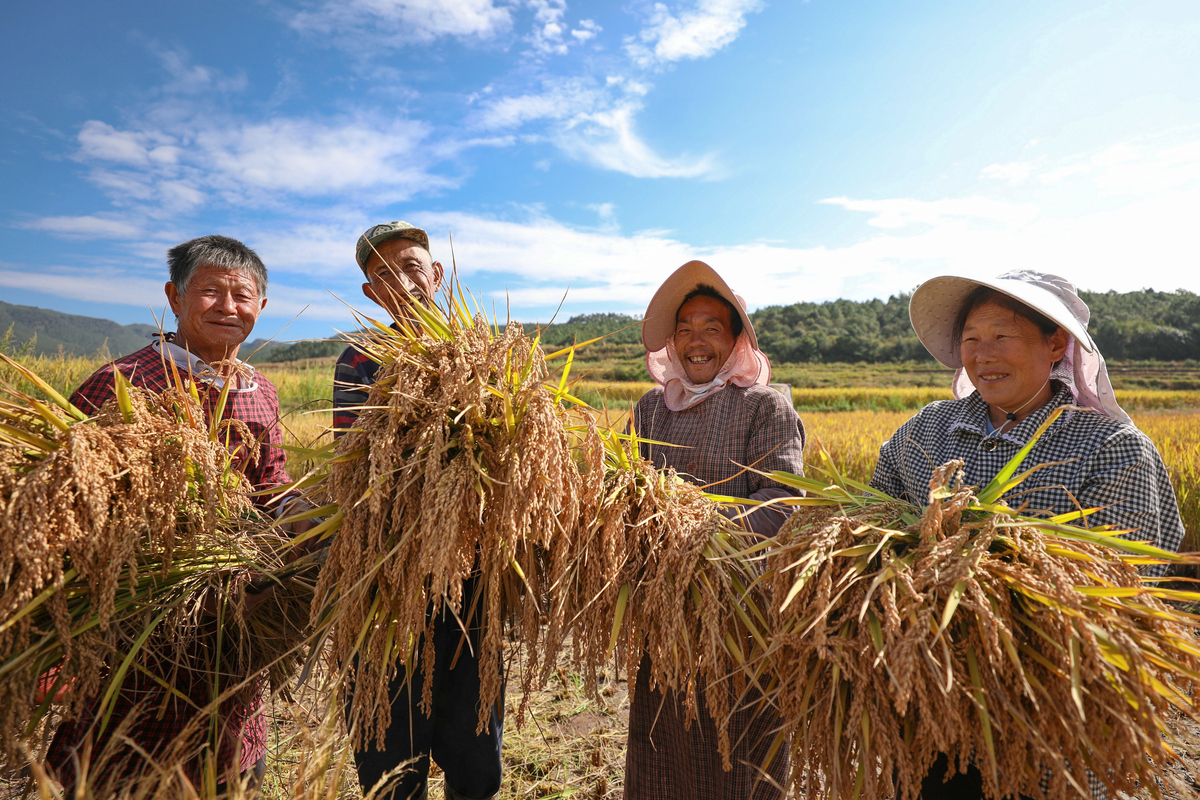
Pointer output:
x,y
714,408
399,269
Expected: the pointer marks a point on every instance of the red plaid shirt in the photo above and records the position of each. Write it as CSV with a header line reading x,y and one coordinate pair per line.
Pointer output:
x,y
243,730
259,409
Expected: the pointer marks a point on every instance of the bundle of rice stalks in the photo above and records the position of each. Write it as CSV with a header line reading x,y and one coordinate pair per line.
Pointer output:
x,y
656,569
458,465
117,535
1029,647
468,466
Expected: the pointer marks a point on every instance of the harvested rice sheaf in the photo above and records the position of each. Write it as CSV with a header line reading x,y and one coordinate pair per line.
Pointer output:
x,y
1033,650
467,463
459,465
657,569
115,528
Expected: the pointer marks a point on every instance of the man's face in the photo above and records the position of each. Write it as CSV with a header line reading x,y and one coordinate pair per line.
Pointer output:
x,y
217,311
703,337
398,270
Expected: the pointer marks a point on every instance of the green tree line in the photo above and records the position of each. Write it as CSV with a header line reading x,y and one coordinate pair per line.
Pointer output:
x,y
1127,326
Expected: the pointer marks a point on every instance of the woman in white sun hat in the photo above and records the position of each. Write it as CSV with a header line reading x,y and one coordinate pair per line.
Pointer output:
x,y
1021,348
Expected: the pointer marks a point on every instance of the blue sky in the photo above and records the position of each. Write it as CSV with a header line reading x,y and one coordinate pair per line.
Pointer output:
x,y
807,150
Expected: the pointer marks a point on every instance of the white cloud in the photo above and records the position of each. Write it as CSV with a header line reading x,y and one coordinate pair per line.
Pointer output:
x,y
312,157
607,138
190,78
902,212
605,211
1147,239
92,285
1012,173
548,27
694,33
594,120
587,30
100,140
594,123
258,163
560,98
361,24
86,227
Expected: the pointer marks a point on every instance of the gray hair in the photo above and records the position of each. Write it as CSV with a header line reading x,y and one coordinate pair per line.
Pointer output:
x,y
215,251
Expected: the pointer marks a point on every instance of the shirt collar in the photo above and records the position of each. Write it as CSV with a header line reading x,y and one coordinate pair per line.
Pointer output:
x,y
973,416
202,371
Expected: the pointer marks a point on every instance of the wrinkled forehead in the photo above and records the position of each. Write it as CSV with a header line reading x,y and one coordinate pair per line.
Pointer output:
x,y
214,274
703,307
997,312
399,249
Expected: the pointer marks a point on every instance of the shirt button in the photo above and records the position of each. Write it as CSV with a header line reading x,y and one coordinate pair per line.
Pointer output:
x,y
990,445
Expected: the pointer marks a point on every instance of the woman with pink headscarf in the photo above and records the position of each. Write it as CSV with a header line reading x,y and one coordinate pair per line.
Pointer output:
x,y
711,414
1020,345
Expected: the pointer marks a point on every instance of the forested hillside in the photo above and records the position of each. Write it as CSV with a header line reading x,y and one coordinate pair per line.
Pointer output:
x,y
75,335
1145,325
1130,326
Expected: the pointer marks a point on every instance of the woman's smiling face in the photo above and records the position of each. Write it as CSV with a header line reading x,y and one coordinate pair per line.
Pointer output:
x,y
703,337
1008,358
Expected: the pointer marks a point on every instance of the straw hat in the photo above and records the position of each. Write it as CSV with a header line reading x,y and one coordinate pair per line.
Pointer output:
x,y
935,306
658,326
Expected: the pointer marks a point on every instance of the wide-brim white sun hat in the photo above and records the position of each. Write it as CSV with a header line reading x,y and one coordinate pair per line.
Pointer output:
x,y
936,304
658,326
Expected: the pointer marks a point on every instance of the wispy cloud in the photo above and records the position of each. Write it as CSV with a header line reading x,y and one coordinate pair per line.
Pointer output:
x,y
188,77
92,285
1126,168
245,160
695,32
592,115
589,108
86,227
1149,238
903,212
388,24
608,138
548,27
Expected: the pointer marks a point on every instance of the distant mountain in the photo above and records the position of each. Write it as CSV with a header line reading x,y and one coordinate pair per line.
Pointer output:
x,y
77,335
83,336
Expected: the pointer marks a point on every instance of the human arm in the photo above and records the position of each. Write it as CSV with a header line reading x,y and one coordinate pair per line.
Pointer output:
x,y
776,444
1126,478
95,391
352,378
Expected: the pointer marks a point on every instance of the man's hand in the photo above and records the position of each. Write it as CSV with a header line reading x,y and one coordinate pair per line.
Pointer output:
x,y
252,600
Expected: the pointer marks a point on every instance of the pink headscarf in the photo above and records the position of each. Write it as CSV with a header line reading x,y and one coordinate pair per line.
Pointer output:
x,y
1084,372
745,367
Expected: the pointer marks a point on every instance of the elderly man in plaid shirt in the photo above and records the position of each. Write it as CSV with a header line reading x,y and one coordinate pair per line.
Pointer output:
x,y
217,290
714,406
